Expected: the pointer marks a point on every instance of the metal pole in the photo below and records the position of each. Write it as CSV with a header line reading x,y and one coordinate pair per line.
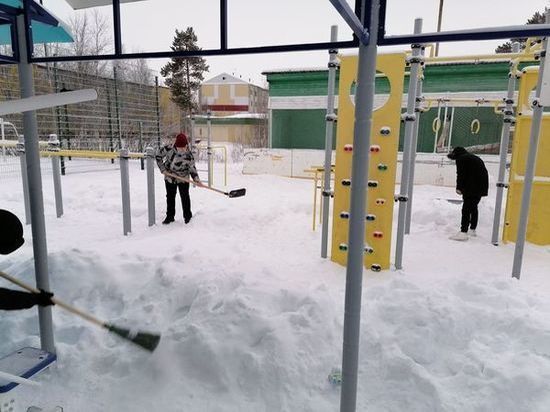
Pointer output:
x,y
150,153
125,188
507,120
536,122
409,118
209,147
32,154
439,17
24,178
158,109
364,102
3,139
53,146
330,122
109,119
439,126
192,142
58,116
141,161
414,146
117,110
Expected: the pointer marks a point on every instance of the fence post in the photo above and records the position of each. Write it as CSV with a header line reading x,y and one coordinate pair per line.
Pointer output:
x,y
141,161
125,187
158,109
150,154
117,110
23,161
53,146
209,147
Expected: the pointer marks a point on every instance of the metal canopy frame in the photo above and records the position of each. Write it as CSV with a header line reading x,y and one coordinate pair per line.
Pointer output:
x,y
354,18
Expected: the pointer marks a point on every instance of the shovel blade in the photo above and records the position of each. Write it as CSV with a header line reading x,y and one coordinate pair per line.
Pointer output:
x,y
237,193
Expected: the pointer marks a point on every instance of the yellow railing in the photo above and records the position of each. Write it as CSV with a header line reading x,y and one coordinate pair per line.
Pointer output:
x,y
318,183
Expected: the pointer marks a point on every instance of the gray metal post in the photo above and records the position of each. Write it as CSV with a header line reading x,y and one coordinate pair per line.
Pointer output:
x,y
209,147
24,178
538,109
409,118
330,122
32,154
414,145
150,154
53,146
508,120
364,102
125,188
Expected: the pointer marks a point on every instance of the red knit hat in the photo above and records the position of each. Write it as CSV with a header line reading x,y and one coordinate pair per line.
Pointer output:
x,y
181,140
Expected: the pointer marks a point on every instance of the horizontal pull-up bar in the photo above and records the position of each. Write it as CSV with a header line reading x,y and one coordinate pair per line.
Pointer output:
x,y
487,33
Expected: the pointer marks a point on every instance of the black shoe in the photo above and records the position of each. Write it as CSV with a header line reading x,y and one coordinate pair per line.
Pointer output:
x,y
168,220
187,219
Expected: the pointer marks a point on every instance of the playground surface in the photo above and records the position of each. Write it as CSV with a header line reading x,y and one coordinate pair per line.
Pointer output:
x,y
251,316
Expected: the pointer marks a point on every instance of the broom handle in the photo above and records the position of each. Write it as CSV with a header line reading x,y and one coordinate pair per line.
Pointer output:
x,y
58,302
189,181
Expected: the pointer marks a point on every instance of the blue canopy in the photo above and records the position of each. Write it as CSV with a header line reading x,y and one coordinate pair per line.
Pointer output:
x,y
46,27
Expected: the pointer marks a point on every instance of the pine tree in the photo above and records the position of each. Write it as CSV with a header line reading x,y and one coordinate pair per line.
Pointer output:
x,y
184,75
537,18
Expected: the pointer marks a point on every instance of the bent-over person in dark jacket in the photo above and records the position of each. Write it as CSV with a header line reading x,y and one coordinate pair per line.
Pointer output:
x,y
177,159
11,238
472,182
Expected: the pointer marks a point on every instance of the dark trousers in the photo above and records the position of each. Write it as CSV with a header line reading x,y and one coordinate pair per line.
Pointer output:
x,y
171,189
469,213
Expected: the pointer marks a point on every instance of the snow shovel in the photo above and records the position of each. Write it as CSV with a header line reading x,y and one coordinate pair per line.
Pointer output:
x,y
231,193
145,340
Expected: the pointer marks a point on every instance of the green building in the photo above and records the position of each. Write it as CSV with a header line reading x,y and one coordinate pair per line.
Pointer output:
x,y
298,100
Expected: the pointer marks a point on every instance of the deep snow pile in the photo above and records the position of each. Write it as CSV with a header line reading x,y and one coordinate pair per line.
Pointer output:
x,y
252,317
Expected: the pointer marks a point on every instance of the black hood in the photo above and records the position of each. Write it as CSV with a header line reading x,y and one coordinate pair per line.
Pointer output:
x,y
11,232
457,152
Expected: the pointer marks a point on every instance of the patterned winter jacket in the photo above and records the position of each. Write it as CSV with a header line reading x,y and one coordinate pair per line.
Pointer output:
x,y
179,163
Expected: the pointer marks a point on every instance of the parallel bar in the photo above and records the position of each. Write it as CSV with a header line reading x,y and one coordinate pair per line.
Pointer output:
x,y
366,73
201,53
330,123
223,24
410,118
116,27
488,33
536,123
414,147
503,152
125,189
150,153
30,127
53,145
24,178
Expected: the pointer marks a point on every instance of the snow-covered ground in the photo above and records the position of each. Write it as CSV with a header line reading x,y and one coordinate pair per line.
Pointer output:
x,y
251,316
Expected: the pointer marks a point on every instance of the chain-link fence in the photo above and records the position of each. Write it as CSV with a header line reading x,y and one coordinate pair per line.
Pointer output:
x,y
126,114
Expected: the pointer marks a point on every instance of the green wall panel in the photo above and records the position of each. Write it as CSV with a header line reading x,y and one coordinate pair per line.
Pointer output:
x,y
299,129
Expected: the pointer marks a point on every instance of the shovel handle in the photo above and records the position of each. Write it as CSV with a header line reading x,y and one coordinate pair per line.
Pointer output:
x,y
54,300
189,181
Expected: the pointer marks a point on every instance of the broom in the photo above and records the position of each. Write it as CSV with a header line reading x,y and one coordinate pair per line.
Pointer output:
x,y
146,340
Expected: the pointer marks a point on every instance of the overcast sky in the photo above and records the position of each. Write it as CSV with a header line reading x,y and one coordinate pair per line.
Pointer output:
x,y
150,25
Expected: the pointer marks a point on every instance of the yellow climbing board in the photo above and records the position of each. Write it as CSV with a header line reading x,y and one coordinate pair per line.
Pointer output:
x,y
382,166
538,226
